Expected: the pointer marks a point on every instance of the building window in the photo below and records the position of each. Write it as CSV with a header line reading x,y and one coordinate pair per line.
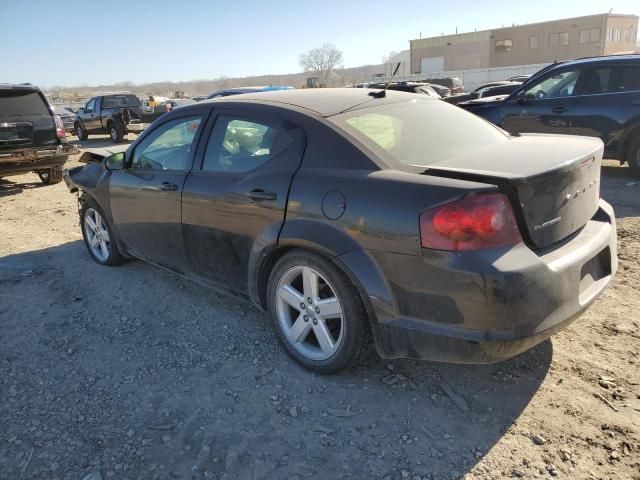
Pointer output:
x,y
504,45
559,39
590,36
610,35
617,35
534,41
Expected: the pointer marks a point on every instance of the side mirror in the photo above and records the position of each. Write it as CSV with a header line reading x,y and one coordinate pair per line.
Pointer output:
x,y
81,110
521,97
114,162
474,95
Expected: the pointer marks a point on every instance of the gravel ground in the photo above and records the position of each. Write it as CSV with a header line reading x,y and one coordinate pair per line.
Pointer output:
x,y
133,372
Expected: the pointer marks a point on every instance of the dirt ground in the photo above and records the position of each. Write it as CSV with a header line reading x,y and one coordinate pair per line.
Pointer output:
x,y
135,373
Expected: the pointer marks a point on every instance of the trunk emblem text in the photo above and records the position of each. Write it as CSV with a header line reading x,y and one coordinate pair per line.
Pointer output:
x,y
547,224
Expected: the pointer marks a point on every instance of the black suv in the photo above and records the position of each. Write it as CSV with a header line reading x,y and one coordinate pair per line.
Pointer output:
x,y
32,137
597,97
116,114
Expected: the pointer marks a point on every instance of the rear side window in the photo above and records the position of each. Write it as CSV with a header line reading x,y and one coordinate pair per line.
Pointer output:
x,y
419,132
239,144
15,104
626,79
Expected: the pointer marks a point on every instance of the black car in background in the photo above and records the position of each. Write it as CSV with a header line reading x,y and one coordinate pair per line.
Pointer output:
x,y
32,136
67,116
116,114
487,90
391,219
596,97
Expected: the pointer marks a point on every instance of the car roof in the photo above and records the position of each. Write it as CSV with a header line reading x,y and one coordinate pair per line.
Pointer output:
x,y
604,59
26,87
322,101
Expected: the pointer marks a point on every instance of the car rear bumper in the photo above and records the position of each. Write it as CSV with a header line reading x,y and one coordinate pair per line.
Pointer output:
x,y
487,306
137,127
30,159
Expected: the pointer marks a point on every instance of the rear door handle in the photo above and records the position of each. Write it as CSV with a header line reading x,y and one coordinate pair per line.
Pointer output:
x,y
559,109
168,187
260,195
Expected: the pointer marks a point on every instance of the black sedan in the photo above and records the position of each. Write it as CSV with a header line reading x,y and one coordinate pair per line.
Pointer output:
x,y
360,217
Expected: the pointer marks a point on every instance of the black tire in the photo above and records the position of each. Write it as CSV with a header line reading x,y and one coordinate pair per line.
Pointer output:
x,y
356,342
633,156
116,131
81,133
115,257
51,175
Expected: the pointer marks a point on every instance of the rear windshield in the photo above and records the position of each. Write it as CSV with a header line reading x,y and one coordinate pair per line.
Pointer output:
x,y
15,104
419,132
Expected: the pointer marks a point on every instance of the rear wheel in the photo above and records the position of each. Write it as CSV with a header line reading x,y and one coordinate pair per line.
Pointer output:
x,y
317,313
98,235
633,157
81,133
116,132
51,175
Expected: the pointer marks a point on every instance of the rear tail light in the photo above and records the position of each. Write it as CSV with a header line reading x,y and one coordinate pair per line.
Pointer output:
x,y
59,126
473,223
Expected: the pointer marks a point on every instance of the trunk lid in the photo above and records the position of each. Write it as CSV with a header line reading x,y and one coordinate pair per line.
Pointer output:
x,y
553,181
25,118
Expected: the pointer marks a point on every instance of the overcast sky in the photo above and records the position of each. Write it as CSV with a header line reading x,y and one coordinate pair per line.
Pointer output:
x,y
82,42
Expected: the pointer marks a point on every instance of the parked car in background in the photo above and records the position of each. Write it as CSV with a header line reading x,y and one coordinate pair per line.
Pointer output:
x,y
116,114
410,87
240,90
199,98
519,78
440,89
487,90
596,97
408,221
32,136
68,117
454,84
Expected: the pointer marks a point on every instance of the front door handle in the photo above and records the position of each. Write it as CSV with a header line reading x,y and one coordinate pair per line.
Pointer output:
x,y
168,187
559,109
260,195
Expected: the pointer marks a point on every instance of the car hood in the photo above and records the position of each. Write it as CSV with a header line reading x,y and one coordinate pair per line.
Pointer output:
x,y
98,154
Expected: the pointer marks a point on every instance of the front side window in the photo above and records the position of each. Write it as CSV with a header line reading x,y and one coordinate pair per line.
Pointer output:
x,y
168,147
504,45
419,132
559,39
557,85
240,145
90,106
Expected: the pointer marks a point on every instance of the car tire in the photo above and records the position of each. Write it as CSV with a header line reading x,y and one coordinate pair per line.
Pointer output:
x,y
633,156
51,176
323,343
116,132
81,133
98,235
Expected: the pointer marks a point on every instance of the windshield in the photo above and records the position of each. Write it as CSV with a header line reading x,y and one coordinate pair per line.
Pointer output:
x,y
419,132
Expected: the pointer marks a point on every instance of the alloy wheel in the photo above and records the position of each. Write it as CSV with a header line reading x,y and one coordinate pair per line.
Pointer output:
x,y
97,235
309,313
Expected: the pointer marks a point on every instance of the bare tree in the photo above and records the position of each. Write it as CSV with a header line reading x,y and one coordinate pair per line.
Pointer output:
x,y
321,61
388,57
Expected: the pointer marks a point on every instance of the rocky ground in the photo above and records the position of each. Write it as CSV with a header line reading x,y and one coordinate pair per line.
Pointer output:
x,y
134,373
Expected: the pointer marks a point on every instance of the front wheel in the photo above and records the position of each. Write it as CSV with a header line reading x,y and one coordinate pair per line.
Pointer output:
x,y
51,175
633,157
81,133
317,313
98,235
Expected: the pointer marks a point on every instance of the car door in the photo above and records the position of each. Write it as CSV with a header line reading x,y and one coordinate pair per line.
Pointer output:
x,y
237,193
543,107
89,116
145,196
606,98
